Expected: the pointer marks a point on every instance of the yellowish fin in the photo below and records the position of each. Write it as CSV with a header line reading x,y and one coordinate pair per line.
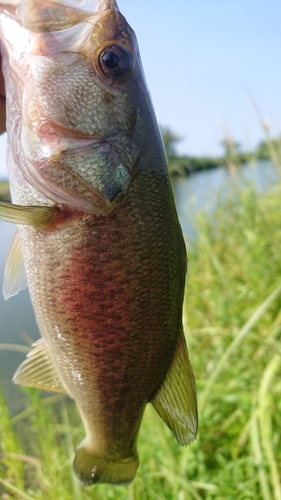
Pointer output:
x,y
14,272
91,469
38,370
36,216
175,401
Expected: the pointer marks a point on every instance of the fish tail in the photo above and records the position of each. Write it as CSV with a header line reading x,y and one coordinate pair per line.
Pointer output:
x,y
92,469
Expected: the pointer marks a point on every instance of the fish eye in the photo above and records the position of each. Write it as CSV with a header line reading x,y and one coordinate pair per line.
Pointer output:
x,y
116,62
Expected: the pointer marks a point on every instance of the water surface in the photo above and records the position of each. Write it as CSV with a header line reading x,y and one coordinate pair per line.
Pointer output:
x,y
202,190
17,322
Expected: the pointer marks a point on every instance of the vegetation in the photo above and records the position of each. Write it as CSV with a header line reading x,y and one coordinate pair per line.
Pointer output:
x,y
232,156
233,329
4,191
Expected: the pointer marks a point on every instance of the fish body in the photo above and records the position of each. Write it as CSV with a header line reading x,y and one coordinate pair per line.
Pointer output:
x,y
98,233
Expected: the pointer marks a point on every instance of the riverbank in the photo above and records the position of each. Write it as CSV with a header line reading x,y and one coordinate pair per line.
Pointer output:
x,y
182,166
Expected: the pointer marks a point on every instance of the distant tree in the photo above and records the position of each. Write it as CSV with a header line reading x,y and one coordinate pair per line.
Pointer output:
x,y
263,150
270,148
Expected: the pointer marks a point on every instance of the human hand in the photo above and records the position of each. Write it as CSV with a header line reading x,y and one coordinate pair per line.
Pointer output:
x,y
2,101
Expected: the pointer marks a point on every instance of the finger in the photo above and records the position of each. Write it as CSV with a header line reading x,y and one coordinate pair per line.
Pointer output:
x,y
2,84
2,114
2,101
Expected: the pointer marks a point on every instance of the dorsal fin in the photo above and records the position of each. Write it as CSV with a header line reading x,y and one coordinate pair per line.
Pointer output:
x,y
14,272
175,401
38,370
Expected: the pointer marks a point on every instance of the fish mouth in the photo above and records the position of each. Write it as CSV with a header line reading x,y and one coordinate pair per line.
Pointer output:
x,y
91,174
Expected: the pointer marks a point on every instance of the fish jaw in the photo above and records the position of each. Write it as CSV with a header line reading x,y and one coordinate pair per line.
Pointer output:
x,y
83,155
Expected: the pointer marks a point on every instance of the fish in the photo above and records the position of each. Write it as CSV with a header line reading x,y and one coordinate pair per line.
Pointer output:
x,y
98,241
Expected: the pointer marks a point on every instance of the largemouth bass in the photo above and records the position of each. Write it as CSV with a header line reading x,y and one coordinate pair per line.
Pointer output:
x,y
98,239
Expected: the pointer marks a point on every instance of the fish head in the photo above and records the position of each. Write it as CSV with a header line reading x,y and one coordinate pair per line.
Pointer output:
x,y
85,113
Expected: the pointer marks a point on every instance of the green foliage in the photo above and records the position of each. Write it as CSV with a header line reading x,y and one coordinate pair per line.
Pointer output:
x,y
233,328
232,157
270,148
4,191
233,304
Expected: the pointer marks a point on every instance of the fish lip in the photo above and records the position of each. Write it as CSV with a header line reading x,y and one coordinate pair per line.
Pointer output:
x,y
50,131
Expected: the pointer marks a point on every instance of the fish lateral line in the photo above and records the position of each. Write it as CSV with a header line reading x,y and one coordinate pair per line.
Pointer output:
x,y
39,217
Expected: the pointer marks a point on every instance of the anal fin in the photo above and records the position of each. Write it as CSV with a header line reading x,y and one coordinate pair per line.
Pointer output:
x,y
175,401
14,272
37,370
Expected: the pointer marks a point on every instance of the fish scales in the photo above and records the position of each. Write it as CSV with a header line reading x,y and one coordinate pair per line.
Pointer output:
x,y
101,274
99,322
98,230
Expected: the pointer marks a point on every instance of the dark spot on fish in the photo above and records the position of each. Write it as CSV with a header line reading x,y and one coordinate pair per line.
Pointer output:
x,y
108,98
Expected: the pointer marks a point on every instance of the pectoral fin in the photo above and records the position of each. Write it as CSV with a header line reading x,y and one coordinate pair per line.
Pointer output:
x,y
14,272
175,401
36,216
38,370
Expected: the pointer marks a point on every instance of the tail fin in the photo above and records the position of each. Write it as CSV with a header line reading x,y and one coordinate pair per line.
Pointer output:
x,y
91,469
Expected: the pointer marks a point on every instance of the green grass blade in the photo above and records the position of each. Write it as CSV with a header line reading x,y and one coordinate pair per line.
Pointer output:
x,y
13,489
240,336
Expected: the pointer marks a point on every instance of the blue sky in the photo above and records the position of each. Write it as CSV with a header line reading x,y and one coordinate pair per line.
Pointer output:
x,y
203,59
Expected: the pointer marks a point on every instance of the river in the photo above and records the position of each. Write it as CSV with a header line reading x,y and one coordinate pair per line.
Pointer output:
x,y
197,192
202,190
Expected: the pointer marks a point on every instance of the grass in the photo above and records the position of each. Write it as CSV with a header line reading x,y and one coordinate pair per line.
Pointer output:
x,y
4,191
233,326
233,329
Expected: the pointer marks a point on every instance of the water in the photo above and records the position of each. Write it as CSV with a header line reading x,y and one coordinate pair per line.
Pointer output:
x,y
17,321
200,191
